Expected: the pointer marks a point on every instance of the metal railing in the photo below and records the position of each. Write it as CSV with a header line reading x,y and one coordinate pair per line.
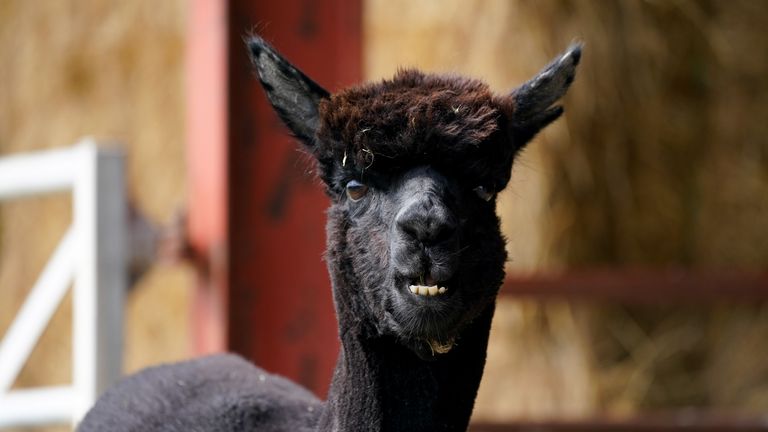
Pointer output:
x,y
91,257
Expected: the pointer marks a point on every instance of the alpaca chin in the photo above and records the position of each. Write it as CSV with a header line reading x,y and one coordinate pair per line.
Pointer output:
x,y
439,347
429,337
431,350
430,321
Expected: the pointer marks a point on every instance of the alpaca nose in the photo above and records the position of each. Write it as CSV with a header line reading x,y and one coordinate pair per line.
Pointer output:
x,y
426,220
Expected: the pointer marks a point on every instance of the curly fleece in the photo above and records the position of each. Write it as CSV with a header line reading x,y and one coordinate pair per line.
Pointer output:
x,y
417,118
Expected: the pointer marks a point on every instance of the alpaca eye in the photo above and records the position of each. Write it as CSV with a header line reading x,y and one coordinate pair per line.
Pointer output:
x,y
483,193
356,190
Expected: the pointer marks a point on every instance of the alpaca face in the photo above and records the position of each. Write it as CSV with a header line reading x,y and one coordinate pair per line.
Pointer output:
x,y
424,253
413,166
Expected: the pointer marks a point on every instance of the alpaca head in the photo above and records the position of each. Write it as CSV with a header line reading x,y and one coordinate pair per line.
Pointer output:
x,y
413,166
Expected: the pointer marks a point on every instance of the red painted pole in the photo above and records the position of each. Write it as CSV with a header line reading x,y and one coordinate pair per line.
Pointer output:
x,y
207,181
259,222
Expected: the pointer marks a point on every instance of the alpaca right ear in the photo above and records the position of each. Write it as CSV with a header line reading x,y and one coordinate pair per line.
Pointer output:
x,y
534,99
294,96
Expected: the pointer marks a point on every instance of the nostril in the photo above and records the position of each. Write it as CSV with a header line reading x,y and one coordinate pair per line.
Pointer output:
x,y
408,227
443,233
428,231
427,222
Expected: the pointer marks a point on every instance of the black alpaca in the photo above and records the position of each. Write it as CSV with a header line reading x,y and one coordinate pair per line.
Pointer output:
x,y
412,166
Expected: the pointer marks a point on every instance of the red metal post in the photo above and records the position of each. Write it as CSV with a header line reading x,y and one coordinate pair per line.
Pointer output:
x,y
267,291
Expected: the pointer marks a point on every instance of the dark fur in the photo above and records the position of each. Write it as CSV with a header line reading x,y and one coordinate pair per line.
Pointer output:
x,y
221,393
422,144
418,119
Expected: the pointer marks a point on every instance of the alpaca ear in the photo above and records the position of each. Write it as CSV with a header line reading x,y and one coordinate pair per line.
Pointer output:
x,y
534,99
294,96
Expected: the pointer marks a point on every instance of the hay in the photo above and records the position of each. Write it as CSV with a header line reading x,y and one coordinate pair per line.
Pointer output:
x,y
665,163
112,70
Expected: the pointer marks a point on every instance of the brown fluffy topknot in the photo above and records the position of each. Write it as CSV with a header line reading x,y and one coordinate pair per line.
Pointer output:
x,y
413,117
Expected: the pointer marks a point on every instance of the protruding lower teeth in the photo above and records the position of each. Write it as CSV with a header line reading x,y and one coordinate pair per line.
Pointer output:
x,y
431,291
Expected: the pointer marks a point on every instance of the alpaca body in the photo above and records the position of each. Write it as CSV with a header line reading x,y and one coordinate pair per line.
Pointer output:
x,y
412,166
221,393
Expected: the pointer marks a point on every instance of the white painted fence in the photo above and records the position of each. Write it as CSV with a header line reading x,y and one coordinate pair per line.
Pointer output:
x,y
92,258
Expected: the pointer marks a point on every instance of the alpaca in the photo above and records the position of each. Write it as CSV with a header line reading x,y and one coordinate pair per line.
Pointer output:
x,y
412,166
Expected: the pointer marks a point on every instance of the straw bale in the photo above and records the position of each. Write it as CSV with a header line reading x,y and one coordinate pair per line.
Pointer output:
x,y
112,70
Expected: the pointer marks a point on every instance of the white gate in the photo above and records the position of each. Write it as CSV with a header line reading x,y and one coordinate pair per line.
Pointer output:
x,y
92,257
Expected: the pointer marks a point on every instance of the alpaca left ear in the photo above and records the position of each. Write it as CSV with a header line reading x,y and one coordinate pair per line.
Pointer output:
x,y
534,99
293,95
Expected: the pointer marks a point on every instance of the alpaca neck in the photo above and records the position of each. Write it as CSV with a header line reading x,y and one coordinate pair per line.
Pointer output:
x,y
380,385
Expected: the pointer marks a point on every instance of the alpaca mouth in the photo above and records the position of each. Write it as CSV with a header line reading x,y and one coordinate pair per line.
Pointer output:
x,y
427,287
430,316
427,291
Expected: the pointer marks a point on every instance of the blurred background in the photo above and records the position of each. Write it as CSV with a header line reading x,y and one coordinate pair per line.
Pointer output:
x,y
660,164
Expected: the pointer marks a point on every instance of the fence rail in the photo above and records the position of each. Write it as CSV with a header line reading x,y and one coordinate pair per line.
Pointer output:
x,y
642,286
689,422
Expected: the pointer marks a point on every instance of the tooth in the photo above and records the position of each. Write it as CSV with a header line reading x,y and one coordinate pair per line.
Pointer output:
x,y
442,290
433,290
423,290
414,289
